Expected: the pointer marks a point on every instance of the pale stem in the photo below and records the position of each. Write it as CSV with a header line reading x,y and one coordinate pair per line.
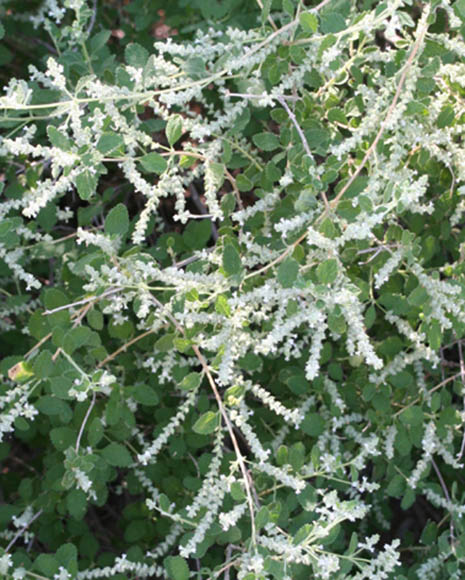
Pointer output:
x,y
224,414
83,424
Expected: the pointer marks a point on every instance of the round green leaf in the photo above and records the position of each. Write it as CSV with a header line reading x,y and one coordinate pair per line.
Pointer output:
x,y
177,568
117,455
206,423
117,220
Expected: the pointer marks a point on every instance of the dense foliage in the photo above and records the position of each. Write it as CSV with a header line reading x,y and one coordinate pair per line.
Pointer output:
x,y
232,291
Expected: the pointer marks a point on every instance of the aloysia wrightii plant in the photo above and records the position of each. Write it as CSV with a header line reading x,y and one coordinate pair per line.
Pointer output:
x,y
232,290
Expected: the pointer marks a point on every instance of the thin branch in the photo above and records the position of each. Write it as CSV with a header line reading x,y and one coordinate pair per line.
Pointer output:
x,y
293,118
237,193
446,493
124,347
83,301
253,96
84,421
418,399
202,209
462,375
93,18
408,64
279,259
223,412
269,18
21,531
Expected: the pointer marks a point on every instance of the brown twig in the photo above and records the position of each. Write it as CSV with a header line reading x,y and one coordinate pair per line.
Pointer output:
x,y
124,347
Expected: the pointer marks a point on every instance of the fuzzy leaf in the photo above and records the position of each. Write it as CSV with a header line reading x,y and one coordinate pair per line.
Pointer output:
x,y
308,21
117,455
174,129
231,260
266,141
287,272
327,271
206,423
176,567
190,382
117,220
153,163
86,184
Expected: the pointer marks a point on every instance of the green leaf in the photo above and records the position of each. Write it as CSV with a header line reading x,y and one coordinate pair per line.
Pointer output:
x,y
336,115
49,405
215,172
164,343
109,143
266,141
6,55
95,431
164,502
190,382
78,337
313,424
195,67
76,503
412,416
2,31
113,408
305,201
262,517
333,22
237,493
145,395
117,455
327,271
46,564
20,372
86,184
192,295
396,486
95,319
243,182
429,534
336,324
174,129
99,40
206,423
288,6
154,163
197,234
63,437
43,364
58,139
287,272
265,10
136,55
446,117
459,7
176,567
228,204
297,455
67,556
418,297
232,264
309,21
434,334
353,543
117,220
222,306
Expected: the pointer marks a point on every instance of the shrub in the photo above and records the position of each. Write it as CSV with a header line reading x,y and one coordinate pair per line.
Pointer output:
x,y
232,283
